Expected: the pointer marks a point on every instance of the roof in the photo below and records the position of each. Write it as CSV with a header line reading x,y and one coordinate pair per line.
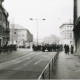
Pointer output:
x,y
17,26
65,24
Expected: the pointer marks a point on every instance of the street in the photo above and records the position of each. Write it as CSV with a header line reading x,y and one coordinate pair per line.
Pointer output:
x,y
39,39
23,64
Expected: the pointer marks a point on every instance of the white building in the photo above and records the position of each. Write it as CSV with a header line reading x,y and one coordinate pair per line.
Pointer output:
x,y
20,35
66,32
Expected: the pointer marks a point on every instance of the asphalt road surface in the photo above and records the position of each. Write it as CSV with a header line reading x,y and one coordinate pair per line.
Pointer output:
x,y
23,64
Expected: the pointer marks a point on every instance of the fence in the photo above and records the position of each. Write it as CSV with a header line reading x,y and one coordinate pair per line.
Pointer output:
x,y
51,66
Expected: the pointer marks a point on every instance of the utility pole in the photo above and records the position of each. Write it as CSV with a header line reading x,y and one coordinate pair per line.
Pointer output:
x,y
37,27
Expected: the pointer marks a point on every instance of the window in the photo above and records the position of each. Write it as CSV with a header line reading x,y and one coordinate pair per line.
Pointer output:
x,y
14,32
67,27
70,27
70,35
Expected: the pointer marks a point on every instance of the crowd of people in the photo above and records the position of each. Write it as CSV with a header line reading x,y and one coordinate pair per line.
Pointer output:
x,y
68,49
47,47
43,48
53,47
7,48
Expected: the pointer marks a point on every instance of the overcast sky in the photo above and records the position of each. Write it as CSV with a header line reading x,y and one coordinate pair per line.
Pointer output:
x,y
56,12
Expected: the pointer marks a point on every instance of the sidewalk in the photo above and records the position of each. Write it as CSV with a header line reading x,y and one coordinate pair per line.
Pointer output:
x,y
68,67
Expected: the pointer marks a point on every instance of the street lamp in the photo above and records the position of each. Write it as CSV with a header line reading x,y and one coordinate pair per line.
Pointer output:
x,y
37,26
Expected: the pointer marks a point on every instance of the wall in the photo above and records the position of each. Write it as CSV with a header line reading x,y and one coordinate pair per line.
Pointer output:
x,y
29,36
66,31
78,8
4,25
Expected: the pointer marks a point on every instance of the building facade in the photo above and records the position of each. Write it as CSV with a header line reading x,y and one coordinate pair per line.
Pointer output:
x,y
4,25
77,25
66,32
29,36
20,35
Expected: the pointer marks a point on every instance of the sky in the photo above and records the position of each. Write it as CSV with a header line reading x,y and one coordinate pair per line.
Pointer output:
x,y
55,13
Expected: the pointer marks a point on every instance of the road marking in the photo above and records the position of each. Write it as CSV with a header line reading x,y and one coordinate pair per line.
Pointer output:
x,y
14,61
22,60
40,61
19,59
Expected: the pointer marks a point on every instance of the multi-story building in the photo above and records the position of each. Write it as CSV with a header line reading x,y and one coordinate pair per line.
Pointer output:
x,y
20,35
77,25
4,25
66,32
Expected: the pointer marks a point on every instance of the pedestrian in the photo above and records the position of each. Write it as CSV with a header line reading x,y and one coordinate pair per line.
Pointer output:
x,y
72,49
43,48
67,49
33,47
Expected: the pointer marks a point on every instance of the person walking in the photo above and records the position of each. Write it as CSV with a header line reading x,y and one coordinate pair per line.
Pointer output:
x,y
67,49
72,49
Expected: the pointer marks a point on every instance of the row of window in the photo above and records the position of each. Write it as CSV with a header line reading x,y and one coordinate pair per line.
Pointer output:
x,y
66,28
68,35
